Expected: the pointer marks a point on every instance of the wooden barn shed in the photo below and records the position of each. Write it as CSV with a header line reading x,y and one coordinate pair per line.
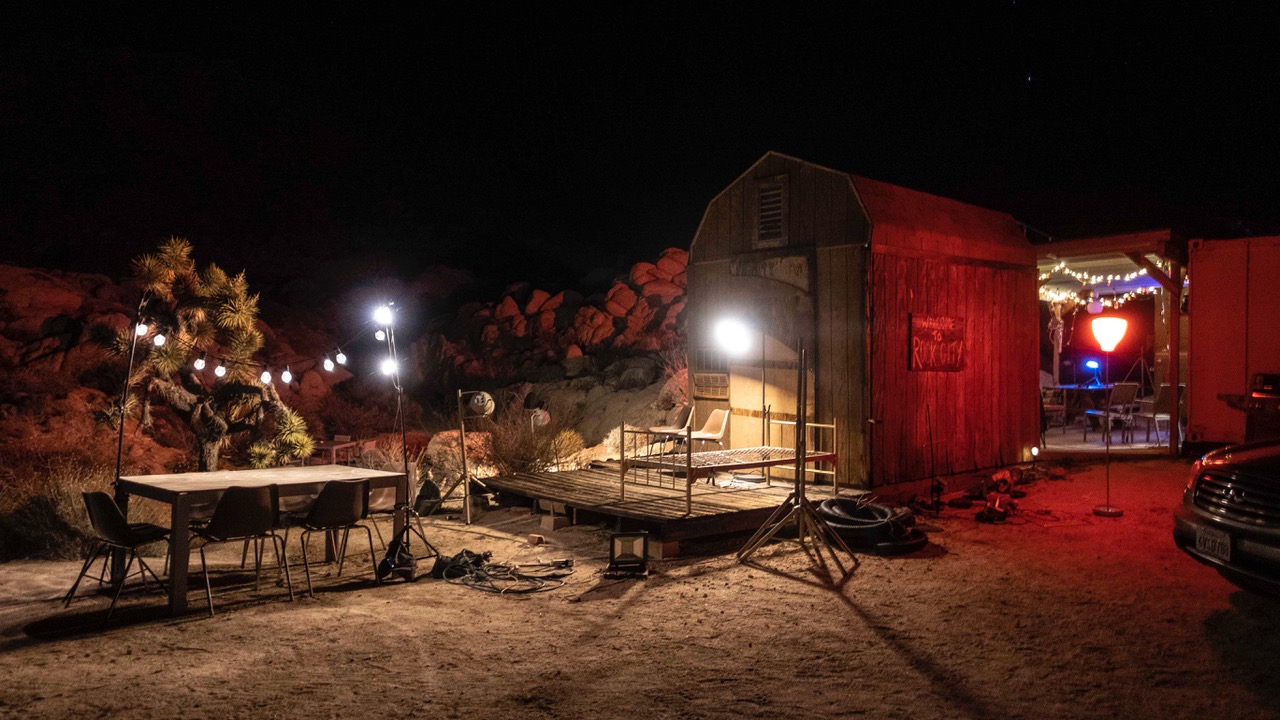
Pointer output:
x,y
918,315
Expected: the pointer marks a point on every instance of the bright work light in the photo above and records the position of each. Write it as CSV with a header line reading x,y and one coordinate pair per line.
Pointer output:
x,y
732,336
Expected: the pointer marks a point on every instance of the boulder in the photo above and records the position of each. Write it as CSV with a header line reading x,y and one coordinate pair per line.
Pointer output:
x,y
673,261
619,299
536,300
506,309
642,272
663,289
631,373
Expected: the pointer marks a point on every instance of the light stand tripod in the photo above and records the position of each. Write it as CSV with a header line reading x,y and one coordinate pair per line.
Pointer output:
x,y
796,509
1146,373
407,507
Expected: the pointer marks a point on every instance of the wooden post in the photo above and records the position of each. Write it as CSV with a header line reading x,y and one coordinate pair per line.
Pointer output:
x,y
466,481
1173,312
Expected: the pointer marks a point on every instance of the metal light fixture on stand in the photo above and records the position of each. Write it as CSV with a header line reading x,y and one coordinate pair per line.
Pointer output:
x,y
480,404
122,498
1109,331
797,510
384,315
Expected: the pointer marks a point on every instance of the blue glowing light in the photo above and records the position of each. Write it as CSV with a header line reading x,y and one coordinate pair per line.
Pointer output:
x,y
1091,364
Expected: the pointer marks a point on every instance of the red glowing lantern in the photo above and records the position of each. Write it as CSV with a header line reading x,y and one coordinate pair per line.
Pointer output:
x,y
1109,331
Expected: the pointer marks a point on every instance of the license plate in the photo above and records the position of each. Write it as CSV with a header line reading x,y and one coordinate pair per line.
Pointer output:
x,y
1214,543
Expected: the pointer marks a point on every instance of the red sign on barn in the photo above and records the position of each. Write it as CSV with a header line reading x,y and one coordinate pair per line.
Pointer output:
x,y
937,343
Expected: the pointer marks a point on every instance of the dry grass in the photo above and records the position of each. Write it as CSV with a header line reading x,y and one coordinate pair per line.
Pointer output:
x,y
42,514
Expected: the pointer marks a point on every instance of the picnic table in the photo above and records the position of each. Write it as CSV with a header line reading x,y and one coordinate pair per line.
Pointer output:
x,y
182,491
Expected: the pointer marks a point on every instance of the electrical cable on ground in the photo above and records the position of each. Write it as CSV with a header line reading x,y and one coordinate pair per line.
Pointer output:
x,y
474,570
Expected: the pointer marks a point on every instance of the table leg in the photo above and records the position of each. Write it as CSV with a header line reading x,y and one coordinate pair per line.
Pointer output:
x,y
330,543
402,501
179,553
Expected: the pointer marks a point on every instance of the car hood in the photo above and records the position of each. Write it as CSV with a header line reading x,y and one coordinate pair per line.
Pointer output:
x,y
1256,458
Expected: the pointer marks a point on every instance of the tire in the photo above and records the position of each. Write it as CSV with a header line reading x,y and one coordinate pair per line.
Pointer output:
x,y
911,541
851,512
863,535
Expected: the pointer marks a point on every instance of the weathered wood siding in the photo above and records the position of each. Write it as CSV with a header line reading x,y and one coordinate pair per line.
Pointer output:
x,y
940,423
810,290
857,258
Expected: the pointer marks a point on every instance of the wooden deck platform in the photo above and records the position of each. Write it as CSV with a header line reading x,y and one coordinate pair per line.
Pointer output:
x,y
661,510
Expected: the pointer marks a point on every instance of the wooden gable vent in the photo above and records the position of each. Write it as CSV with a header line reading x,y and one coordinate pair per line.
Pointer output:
x,y
771,212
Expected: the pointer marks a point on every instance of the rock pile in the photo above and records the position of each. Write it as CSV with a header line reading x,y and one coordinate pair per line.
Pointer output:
x,y
530,328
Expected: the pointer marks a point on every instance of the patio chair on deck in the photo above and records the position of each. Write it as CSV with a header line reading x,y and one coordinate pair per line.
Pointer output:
x,y
1157,409
713,429
244,513
681,425
114,532
1052,405
1118,407
341,505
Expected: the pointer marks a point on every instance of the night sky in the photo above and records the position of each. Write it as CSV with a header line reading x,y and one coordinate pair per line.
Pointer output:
x,y
540,140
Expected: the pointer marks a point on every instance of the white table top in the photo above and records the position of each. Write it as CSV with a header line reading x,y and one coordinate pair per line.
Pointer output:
x,y
223,479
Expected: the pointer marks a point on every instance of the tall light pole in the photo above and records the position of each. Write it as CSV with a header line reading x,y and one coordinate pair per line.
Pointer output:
x,y
735,338
122,498
1109,331
384,316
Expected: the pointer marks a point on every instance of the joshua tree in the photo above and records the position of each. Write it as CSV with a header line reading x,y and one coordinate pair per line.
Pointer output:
x,y
209,312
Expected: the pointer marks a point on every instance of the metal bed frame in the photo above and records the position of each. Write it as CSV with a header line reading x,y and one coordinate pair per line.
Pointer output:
x,y
691,466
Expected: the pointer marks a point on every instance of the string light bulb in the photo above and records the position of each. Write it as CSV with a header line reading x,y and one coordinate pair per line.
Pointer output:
x,y
383,315
388,366
341,357
199,363
159,340
380,335
140,329
286,376
328,364
265,377
221,370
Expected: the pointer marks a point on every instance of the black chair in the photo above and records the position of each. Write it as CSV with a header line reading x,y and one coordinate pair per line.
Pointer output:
x,y
244,513
114,532
341,505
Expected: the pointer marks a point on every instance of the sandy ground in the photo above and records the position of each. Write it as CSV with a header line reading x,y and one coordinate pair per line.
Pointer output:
x,y
1056,614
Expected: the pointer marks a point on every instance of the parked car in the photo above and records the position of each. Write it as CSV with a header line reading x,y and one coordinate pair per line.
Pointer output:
x,y
1230,514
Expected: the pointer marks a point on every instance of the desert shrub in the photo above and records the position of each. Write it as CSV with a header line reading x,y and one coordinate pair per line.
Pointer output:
x,y
41,512
674,362
520,447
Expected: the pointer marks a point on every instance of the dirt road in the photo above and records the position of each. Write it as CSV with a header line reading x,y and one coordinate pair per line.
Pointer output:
x,y
1055,614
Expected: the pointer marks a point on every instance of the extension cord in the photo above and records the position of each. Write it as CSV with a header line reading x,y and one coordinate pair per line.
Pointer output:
x,y
561,563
